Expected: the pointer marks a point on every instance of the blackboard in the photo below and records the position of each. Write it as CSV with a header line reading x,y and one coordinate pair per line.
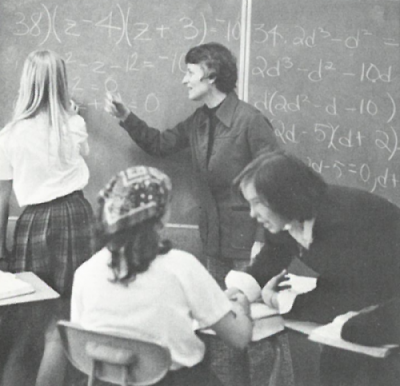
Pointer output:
x,y
327,73
134,47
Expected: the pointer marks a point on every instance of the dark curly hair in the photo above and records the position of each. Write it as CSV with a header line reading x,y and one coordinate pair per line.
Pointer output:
x,y
219,63
139,245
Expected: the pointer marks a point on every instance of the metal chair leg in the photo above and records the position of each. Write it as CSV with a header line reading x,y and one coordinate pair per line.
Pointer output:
x,y
92,375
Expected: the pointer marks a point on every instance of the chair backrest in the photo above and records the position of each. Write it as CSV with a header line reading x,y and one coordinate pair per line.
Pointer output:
x,y
114,358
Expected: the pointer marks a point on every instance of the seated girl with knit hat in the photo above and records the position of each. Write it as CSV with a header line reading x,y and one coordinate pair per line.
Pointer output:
x,y
138,284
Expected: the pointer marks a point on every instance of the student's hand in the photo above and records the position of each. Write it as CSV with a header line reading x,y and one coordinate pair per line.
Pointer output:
x,y
270,291
114,105
241,307
237,297
241,299
232,292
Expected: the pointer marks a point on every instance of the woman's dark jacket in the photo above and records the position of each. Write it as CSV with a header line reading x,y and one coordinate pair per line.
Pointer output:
x,y
355,251
226,229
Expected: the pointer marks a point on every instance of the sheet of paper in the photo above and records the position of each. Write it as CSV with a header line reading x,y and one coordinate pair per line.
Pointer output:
x,y
11,286
330,334
298,285
261,310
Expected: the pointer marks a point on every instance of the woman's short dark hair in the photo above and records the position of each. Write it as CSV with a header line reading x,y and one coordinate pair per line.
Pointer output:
x,y
289,187
219,62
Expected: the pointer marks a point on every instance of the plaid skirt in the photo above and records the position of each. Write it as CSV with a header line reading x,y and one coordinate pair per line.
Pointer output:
x,y
53,239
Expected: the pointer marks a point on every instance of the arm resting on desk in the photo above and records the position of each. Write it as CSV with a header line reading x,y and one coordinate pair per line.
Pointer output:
x,y
235,328
375,326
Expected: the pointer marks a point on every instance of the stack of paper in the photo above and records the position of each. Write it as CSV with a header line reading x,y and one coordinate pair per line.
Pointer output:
x,y
11,286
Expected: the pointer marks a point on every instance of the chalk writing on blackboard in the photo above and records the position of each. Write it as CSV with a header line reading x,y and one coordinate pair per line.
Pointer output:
x,y
137,50
120,27
300,36
327,75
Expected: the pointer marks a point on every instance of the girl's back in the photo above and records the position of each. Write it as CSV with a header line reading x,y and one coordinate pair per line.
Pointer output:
x,y
31,157
164,302
41,158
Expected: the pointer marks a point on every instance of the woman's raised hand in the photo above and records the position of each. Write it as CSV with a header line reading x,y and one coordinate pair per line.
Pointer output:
x,y
114,105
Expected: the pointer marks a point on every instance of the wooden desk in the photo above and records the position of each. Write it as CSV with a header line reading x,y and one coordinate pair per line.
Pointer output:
x,y
299,326
266,362
42,291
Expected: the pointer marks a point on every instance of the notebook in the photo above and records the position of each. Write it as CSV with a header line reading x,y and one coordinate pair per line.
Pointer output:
x,y
11,286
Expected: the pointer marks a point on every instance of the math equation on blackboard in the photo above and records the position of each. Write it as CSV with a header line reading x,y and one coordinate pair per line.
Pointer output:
x,y
106,43
327,74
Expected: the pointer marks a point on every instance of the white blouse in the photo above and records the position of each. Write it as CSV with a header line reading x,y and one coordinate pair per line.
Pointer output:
x,y
29,157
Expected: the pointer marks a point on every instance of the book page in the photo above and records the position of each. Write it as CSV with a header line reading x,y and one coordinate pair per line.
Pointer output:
x,y
11,286
261,310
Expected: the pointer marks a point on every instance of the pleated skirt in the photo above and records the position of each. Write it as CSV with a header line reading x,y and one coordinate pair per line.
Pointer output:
x,y
53,239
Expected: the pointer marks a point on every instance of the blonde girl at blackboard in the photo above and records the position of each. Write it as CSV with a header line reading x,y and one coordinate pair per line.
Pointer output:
x,y
41,159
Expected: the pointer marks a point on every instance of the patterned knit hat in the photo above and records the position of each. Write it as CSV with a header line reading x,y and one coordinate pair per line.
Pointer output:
x,y
132,196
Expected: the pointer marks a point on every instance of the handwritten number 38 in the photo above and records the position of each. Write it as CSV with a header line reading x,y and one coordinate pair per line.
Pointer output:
x,y
24,27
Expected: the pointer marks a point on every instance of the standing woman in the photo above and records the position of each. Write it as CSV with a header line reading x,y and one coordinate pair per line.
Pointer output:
x,y
224,135
41,158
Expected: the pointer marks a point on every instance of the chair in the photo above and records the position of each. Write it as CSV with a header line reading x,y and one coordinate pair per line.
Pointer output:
x,y
116,359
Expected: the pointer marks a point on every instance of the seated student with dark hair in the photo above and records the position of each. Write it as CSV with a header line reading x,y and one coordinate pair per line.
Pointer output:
x,y
138,284
351,238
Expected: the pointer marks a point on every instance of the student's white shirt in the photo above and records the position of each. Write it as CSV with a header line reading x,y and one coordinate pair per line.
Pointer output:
x,y
164,302
29,157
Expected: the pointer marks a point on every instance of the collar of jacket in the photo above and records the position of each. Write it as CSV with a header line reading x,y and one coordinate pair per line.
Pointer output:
x,y
227,109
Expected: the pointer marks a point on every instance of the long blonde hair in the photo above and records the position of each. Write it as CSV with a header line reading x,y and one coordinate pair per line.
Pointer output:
x,y
44,89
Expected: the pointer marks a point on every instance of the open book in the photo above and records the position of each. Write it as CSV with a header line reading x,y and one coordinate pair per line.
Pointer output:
x,y
329,334
261,310
11,286
267,322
